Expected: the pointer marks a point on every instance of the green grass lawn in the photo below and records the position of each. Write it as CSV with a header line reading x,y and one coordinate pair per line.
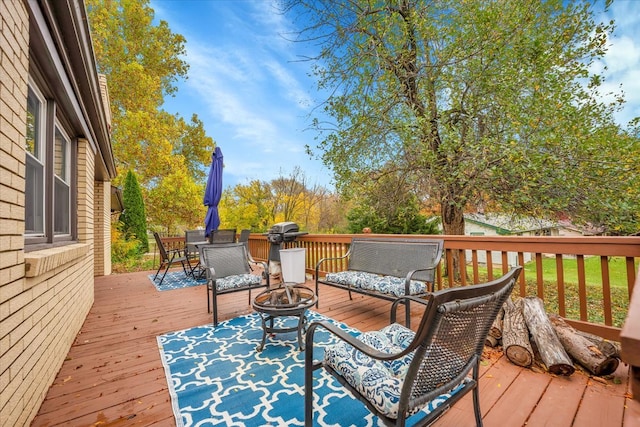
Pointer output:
x,y
593,273
593,278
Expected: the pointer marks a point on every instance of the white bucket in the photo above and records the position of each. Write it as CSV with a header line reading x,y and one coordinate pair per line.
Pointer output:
x,y
293,265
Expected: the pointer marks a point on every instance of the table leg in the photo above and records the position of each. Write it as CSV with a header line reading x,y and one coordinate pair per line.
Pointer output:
x,y
264,332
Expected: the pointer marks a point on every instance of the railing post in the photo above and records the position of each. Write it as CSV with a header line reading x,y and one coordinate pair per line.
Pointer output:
x,y
630,339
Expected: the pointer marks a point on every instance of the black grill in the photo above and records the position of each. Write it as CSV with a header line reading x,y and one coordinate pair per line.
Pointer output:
x,y
279,233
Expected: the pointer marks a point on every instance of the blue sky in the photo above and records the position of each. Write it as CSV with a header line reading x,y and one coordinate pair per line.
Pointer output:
x,y
254,96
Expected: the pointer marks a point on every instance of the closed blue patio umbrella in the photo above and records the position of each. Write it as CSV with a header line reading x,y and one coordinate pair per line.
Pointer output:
x,y
213,192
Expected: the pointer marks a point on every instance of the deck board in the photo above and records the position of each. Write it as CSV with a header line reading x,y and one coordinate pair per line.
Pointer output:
x,y
559,402
113,375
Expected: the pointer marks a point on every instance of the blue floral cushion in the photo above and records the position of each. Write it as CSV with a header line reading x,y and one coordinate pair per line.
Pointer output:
x,y
380,382
352,278
238,281
374,282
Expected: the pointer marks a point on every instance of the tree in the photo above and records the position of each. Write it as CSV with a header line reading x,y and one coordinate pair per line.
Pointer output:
x,y
142,62
470,100
248,206
171,201
387,204
260,204
133,218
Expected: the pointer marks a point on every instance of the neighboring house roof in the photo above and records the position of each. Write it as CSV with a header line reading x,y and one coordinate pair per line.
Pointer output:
x,y
508,224
585,230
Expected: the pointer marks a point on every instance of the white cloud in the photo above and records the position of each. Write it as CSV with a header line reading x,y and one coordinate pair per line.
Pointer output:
x,y
622,59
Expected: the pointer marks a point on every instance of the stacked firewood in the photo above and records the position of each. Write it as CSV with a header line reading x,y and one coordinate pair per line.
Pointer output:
x,y
527,334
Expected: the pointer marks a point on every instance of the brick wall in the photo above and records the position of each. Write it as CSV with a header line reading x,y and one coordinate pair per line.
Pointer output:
x,y
102,228
44,295
13,92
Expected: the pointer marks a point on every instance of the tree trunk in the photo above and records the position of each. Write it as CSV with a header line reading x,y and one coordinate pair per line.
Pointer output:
x,y
515,335
551,350
453,223
582,349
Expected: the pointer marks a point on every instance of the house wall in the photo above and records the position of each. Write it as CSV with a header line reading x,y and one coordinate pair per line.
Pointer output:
x,y
102,228
474,229
45,294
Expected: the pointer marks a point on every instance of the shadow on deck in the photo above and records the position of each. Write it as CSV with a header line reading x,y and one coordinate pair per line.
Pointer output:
x,y
113,374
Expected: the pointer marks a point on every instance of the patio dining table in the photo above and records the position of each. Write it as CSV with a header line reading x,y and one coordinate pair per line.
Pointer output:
x,y
193,253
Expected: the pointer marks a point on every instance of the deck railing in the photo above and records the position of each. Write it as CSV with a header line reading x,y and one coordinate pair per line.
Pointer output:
x,y
597,304
592,304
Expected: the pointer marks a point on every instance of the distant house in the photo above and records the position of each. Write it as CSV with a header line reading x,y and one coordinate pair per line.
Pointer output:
x,y
492,224
56,168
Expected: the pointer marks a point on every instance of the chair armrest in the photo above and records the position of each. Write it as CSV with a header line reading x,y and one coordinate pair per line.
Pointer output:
x,y
322,260
351,340
329,259
173,253
402,300
265,268
411,273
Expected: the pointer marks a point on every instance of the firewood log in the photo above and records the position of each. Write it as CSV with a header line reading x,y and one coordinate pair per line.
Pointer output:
x,y
552,352
608,348
515,335
491,341
582,349
496,327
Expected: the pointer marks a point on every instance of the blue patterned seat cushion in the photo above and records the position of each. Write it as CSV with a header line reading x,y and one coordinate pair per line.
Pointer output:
x,y
238,281
374,282
380,382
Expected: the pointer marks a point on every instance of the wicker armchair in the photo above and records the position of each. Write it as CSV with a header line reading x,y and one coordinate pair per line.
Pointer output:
x,y
227,266
399,373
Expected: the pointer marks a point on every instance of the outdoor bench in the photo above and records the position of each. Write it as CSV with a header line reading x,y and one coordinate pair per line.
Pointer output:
x,y
385,268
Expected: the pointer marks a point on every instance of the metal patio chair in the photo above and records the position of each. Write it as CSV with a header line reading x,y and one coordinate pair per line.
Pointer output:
x,y
225,235
170,257
193,238
397,372
244,236
227,266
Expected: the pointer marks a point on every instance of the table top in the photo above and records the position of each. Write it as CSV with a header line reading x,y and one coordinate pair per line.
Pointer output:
x,y
285,299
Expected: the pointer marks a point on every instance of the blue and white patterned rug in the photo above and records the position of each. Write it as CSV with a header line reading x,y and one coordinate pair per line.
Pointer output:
x,y
216,377
175,280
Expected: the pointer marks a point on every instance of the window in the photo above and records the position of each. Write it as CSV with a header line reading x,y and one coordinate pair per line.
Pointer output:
x,y
61,192
34,189
50,174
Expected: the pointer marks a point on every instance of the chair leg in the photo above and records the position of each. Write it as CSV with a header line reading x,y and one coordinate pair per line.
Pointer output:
x,y
208,300
214,308
476,396
184,268
164,274
158,271
308,377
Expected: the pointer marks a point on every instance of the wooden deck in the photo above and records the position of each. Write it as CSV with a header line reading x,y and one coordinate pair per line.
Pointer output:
x,y
113,375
